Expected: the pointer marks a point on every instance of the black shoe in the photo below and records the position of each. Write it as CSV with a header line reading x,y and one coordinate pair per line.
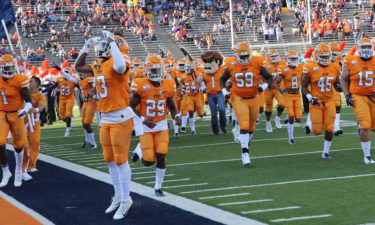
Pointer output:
x,y
337,133
307,130
159,193
192,133
286,121
135,157
176,135
224,130
326,156
83,145
183,130
292,142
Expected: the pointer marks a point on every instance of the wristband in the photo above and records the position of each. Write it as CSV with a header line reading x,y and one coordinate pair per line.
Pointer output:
x,y
264,86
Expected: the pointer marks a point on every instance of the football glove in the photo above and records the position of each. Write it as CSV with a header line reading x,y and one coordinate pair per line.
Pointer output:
x,y
349,100
312,99
22,112
282,91
337,87
262,87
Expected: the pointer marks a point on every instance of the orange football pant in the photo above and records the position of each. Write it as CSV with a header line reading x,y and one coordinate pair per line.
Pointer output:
x,y
323,116
9,121
293,105
177,101
66,108
269,95
192,104
154,142
115,139
247,111
31,147
364,110
337,98
88,112
261,100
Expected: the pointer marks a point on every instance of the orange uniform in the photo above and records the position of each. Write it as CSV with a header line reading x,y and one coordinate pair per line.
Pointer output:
x,y
192,100
33,138
117,125
272,93
292,81
89,104
177,97
362,88
10,102
66,97
153,106
337,94
245,95
213,81
321,83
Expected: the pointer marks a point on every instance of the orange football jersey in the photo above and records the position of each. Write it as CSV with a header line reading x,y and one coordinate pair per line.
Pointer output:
x,y
153,99
362,75
111,87
291,76
38,98
177,74
322,79
246,78
10,94
213,81
273,68
86,85
66,88
190,85
95,66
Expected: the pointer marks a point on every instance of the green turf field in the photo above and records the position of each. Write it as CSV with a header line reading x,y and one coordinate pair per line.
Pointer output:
x,y
283,182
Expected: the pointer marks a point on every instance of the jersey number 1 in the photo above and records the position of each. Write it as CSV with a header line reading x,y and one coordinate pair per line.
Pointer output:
x,y
4,97
369,80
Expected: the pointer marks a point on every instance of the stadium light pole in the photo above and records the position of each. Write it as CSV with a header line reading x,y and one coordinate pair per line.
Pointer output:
x,y
231,22
309,20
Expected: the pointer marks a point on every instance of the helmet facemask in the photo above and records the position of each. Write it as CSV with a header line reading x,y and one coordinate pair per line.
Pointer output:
x,y
293,61
102,50
181,67
8,70
275,58
365,50
155,73
324,59
335,55
244,58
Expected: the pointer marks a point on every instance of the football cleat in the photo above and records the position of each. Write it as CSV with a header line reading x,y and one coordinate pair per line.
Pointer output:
x,y
307,130
286,121
159,193
84,144
135,157
192,133
268,127
26,177
123,209
368,160
338,132
67,132
326,155
183,130
292,141
224,130
33,170
277,122
245,159
17,179
5,179
115,203
94,146
176,135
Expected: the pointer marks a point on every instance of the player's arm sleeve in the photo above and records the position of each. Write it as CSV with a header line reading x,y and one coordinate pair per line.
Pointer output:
x,y
68,77
119,63
135,99
345,77
224,77
305,80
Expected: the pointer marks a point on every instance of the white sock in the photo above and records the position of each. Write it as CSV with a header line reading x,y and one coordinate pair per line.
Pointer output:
x,y
175,127
244,140
125,179
5,169
184,121
337,122
159,177
327,146
192,124
269,123
99,119
19,161
91,137
290,130
277,118
308,121
366,146
138,150
86,136
113,171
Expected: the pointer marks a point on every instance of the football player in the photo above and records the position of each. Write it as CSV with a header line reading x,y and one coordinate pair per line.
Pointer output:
x,y
245,74
154,95
271,93
358,83
177,73
32,143
291,75
322,77
111,72
336,58
212,70
15,103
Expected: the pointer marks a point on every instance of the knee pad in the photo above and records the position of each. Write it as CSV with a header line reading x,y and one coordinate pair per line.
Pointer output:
x,y
160,160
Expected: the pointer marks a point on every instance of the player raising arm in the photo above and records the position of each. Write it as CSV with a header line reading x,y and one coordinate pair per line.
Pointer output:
x,y
322,77
245,73
358,84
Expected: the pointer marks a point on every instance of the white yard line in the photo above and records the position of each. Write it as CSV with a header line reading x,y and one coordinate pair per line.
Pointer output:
x,y
149,177
85,157
281,183
245,202
96,164
58,150
68,154
270,210
143,172
185,185
169,181
26,209
91,160
301,218
223,196
195,207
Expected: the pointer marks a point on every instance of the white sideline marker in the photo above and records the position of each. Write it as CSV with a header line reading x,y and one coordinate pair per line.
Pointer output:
x,y
141,178
280,183
169,181
224,196
185,185
245,202
300,218
270,210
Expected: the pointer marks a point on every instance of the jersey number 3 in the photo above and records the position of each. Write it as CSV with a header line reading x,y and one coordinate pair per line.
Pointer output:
x,y
104,90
